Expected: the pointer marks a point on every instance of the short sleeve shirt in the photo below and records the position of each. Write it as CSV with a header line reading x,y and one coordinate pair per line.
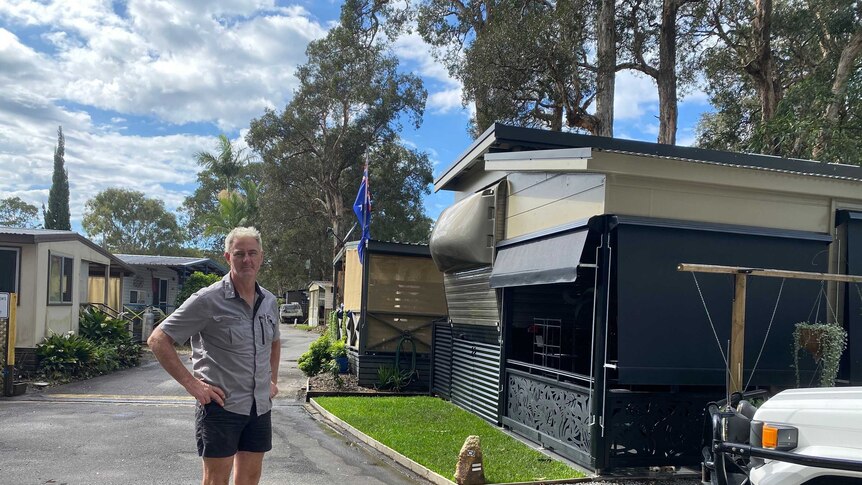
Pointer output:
x,y
231,342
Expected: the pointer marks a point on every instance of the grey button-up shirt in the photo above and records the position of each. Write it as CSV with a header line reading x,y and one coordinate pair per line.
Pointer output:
x,y
231,343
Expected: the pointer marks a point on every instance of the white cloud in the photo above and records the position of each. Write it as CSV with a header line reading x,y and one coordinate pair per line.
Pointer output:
x,y
634,96
156,63
445,92
445,101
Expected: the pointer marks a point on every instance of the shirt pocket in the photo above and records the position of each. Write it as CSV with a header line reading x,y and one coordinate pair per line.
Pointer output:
x,y
227,329
267,326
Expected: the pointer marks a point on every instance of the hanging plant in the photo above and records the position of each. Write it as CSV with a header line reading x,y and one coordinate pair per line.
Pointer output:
x,y
826,343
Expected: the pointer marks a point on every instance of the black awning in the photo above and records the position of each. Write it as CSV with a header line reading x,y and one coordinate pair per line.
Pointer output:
x,y
543,261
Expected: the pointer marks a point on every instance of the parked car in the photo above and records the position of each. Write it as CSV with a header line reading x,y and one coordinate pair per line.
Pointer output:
x,y
799,436
290,312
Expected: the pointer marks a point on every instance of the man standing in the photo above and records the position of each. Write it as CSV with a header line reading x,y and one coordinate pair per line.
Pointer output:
x,y
236,347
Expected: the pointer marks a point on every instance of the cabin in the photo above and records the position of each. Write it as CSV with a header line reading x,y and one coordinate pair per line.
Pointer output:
x,y
389,305
54,274
159,279
319,302
568,320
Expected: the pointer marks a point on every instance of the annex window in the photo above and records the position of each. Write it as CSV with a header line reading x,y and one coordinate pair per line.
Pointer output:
x,y
60,281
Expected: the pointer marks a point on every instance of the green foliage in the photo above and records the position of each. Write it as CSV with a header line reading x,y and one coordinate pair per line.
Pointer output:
x,y
103,345
129,222
65,356
332,326
350,105
392,379
338,349
431,432
235,209
317,358
816,114
98,327
57,215
826,343
195,282
14,212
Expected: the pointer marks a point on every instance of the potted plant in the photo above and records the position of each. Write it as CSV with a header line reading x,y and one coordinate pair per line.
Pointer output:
x,y
825,342
339,354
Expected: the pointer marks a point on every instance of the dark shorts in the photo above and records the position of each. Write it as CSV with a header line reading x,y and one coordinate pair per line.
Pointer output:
x,y
222,433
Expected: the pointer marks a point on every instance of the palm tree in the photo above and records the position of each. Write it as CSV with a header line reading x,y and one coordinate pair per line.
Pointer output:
x,y
234,209
227,165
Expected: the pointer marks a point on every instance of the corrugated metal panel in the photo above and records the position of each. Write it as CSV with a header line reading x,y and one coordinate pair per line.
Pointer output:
x,y
476,378
442,371
470,299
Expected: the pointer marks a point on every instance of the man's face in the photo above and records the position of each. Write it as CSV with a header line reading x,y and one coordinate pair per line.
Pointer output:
x,y
244,257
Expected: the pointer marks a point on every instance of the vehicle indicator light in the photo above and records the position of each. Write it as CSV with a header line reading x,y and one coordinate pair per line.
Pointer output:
x,y
779,437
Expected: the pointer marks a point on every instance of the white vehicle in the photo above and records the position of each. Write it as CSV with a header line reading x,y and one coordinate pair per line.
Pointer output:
x,y
798,437
290,312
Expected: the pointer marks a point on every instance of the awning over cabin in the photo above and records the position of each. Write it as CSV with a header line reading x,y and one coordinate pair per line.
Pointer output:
x,y
539,261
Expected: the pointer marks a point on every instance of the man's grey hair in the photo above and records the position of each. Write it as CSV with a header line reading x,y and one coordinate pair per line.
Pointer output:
x,y
241,232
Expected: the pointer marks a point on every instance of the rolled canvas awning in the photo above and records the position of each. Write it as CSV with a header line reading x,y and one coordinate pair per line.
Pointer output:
x,y
463,235
548,260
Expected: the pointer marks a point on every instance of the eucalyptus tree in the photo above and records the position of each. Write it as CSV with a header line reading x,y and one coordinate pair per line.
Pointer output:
x,y
785,79
526,62
126,221
348,108
15,212
662,40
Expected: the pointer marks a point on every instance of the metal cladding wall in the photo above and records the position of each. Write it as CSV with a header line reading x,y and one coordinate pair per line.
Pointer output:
x,y
663,335
470,299
466,367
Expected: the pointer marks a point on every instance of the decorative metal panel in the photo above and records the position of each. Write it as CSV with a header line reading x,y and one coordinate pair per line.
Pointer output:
x,y
556,410
654,428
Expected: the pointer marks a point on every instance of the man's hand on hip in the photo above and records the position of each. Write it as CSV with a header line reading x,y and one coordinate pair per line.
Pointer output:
x,y
205,393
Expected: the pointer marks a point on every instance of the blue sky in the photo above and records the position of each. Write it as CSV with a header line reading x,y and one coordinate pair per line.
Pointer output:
x,y
139,86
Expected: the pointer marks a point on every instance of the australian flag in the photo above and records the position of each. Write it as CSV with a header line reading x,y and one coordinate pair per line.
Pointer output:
x,y
362,208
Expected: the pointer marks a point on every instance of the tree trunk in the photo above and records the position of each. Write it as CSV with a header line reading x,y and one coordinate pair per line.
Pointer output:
x,y
607,62
666,79
762,67
847,61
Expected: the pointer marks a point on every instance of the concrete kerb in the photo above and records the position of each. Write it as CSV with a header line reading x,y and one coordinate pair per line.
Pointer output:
x,y
411,465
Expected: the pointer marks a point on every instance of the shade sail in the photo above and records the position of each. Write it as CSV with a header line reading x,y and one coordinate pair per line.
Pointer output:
x,y
549,260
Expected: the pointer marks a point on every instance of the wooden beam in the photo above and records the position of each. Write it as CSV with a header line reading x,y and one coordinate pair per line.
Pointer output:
x,y
771,273
737,334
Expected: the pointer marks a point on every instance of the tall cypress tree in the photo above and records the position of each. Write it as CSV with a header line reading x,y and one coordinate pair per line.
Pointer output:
x,y
57,216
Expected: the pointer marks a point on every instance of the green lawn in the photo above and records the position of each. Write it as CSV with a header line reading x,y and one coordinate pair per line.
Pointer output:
x,y
431,431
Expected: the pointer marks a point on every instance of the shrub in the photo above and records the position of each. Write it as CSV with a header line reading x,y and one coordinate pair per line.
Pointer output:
x,y
195,282
392,379
96,326
313,361
337,349
65,356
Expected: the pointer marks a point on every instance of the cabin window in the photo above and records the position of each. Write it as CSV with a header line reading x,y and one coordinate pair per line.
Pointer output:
x,y
60,282
9,270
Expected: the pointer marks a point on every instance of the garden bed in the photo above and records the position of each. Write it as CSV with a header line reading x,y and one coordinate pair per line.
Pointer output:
x,y
325,385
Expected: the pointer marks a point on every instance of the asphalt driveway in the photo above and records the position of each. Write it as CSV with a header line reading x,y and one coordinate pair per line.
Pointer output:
x,y
136,427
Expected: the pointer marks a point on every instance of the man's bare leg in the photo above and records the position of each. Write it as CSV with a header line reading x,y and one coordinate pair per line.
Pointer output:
x,y
217,470
247,468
